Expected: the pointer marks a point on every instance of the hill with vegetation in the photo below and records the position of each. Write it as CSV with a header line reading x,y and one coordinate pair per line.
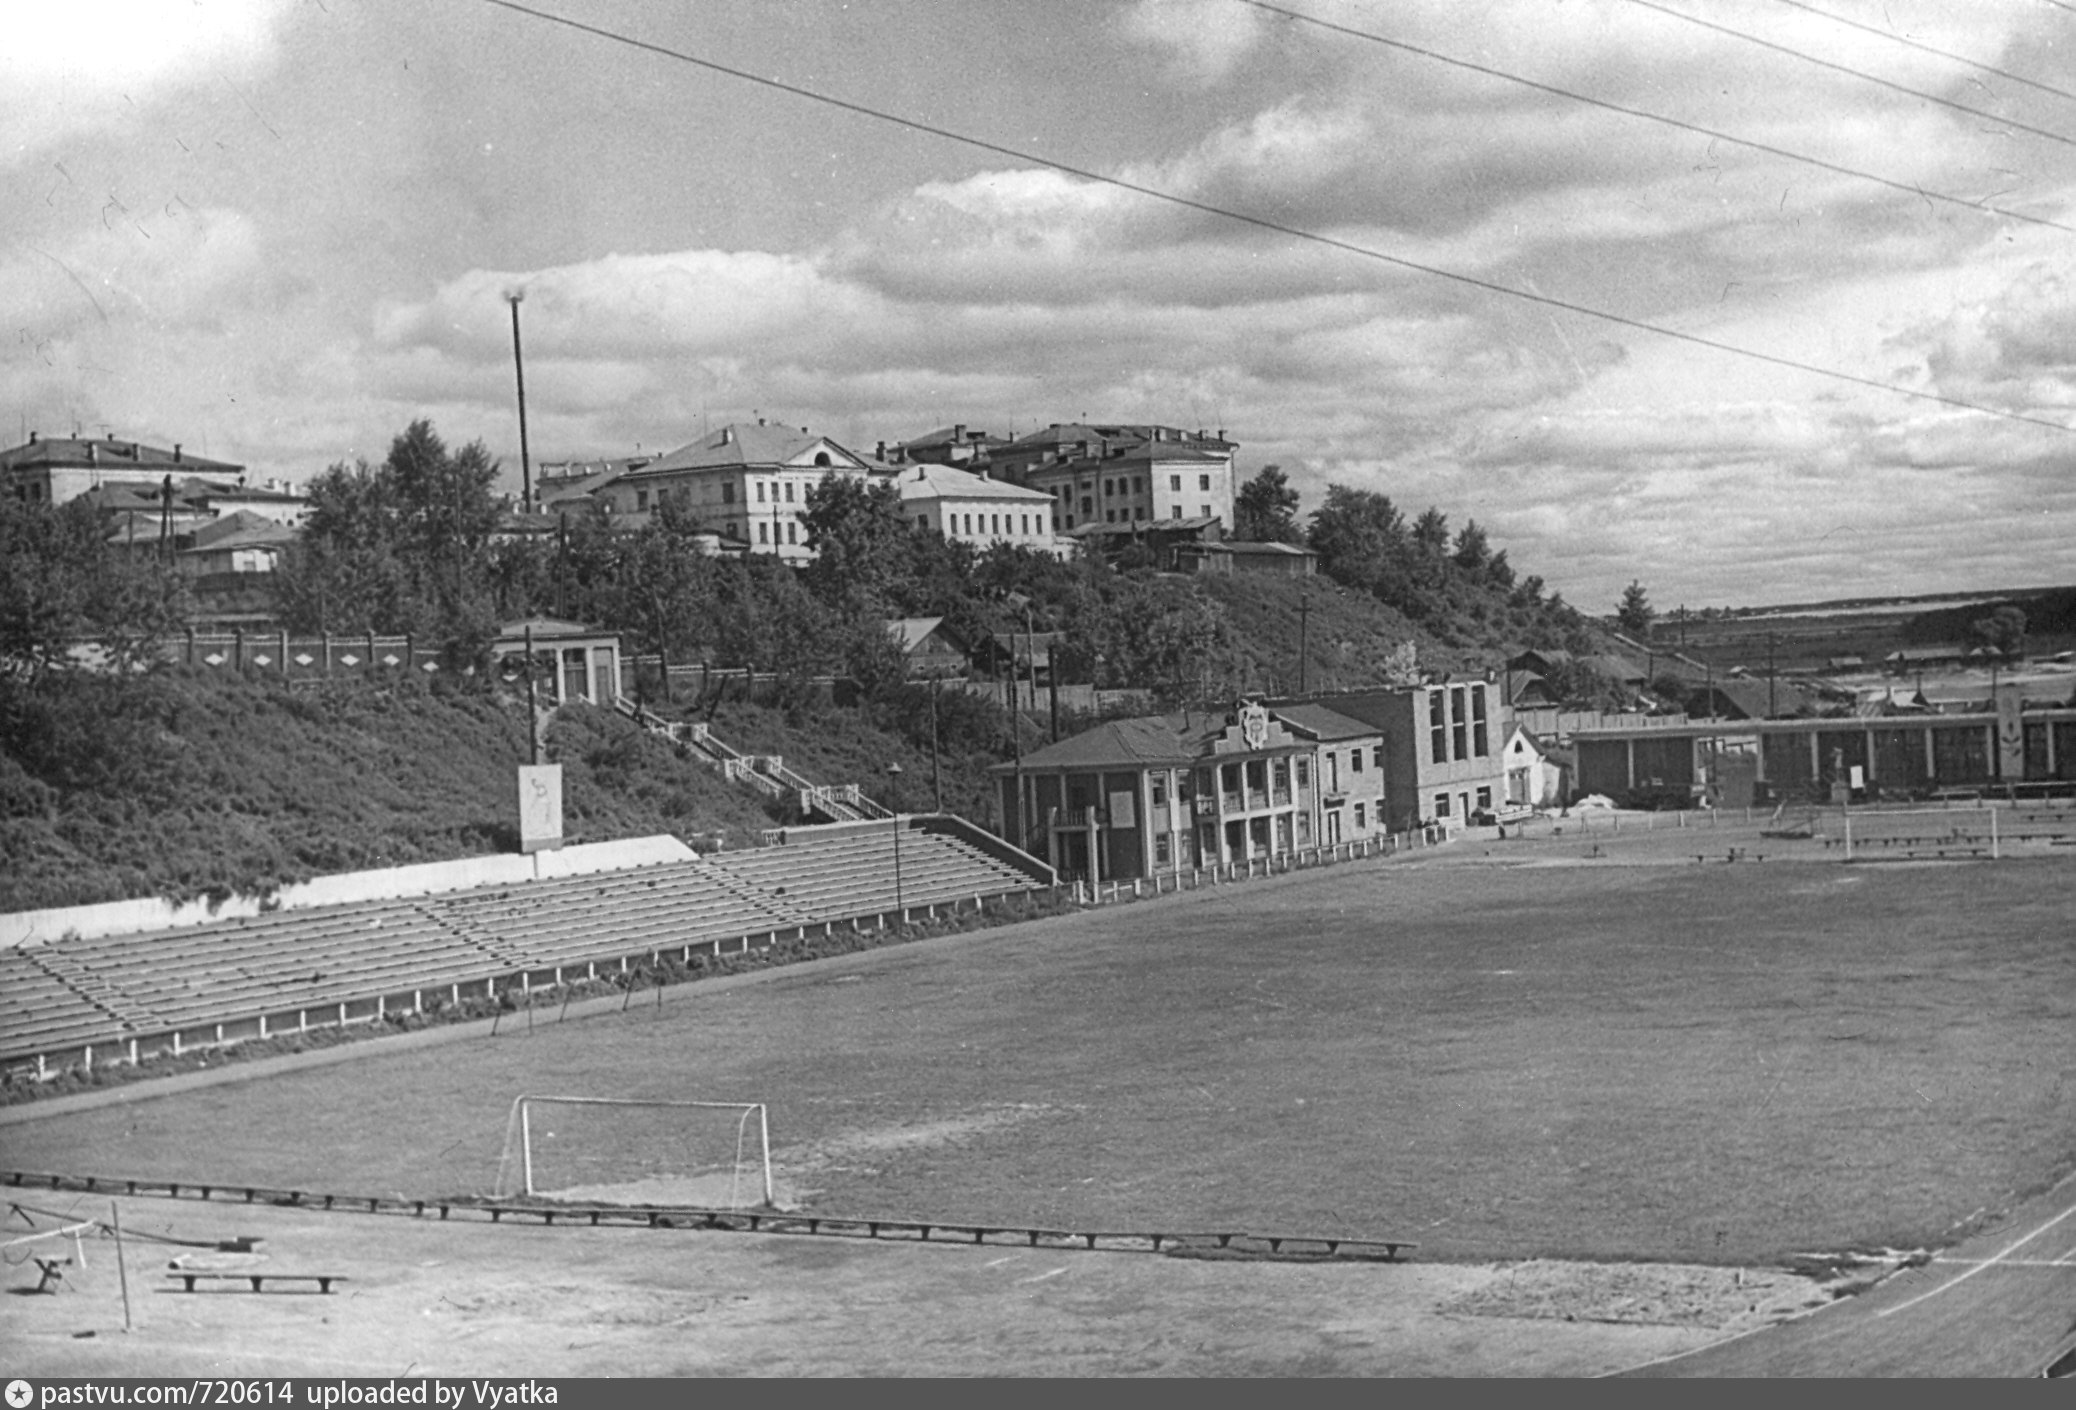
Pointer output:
x,y
120,776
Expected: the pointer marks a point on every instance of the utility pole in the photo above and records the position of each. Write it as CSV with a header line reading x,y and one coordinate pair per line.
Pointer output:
x,y
1772,704
1304,637
936,779
519,370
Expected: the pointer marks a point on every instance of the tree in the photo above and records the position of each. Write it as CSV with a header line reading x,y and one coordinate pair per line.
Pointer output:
x,y
1634,614
860,539
1431,533
1360,538
2003,631
400,548
1265,510
1402,665
1473,552
62,585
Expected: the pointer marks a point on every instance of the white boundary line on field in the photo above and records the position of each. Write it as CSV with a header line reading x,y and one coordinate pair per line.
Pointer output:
x,y
1990,1262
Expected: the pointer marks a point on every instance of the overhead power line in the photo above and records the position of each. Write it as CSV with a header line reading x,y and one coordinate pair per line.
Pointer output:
x,y
1263,223
1996,118
1906,187
1895,38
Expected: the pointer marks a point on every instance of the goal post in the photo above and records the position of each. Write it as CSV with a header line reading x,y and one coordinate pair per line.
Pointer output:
x,y
631,1150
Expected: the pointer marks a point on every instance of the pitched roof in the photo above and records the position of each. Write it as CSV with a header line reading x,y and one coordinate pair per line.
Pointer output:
x,y
947,482
910,633
1148,740
1194,524
1273,550
949,436
108,453
735,446
240,529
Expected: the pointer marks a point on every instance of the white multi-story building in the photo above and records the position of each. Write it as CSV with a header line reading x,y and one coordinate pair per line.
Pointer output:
x,y
969,508
748,484
1118,476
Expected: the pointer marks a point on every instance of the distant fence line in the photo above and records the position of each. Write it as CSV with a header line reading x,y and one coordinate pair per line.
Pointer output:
x,y
281,654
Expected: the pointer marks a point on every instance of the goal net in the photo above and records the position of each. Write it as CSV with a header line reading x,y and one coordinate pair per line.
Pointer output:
x,y
1905,834
609,1150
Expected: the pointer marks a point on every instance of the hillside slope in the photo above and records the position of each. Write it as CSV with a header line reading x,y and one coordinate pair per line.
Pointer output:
x,y
185,786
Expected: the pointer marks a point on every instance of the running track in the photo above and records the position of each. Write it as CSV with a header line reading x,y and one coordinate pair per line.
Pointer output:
x,y
2001,1304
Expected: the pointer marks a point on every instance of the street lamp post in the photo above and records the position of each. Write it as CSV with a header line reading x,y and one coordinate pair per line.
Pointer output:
x,y
894,803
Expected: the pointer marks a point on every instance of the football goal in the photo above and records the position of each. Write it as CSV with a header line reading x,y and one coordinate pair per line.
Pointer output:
x,y
612,1150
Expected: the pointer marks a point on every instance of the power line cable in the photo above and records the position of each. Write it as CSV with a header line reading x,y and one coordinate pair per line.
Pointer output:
x,y
1895,38
1856,73
1263,223
1906,187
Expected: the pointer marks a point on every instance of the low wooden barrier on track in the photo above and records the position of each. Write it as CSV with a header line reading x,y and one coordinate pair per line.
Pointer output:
x,y
1226,1243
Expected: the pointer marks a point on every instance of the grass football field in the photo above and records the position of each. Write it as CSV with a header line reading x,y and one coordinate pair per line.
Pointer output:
x,y
1676,1062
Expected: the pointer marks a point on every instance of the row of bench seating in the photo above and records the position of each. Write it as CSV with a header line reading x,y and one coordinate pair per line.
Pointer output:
x,y
68,993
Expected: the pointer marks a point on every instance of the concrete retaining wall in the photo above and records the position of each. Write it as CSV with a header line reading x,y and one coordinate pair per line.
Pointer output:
x,y
390,883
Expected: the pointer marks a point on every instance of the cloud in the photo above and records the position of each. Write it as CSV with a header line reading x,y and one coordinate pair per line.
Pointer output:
x,y
1202,39
88,64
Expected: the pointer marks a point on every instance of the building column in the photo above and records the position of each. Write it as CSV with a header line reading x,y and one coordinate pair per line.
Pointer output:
x,y
1629,747
1816,758
1870,756
1931,757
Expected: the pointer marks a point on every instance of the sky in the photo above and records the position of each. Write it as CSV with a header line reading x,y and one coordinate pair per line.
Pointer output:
x,y
278,231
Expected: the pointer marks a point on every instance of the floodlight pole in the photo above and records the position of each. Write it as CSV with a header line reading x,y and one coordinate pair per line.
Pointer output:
x,y
519,371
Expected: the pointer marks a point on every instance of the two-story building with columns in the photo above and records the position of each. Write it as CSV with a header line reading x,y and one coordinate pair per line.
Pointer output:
x,y
1166,793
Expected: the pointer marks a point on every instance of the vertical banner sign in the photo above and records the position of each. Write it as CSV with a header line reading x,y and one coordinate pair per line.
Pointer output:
x,y
2011,734
540,807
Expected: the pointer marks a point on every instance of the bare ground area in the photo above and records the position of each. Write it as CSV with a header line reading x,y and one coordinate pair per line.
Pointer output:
x,y
427,1298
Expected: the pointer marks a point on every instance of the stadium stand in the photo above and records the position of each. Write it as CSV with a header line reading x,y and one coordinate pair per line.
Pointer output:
x,y
122,997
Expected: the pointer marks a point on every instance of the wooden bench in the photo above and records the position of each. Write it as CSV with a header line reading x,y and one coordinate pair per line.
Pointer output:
x,y
189,1277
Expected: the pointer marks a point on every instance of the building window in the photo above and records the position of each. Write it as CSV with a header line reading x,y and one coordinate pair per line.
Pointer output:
x,y
1459,726
1175,484
641,499
1485,797
1203,511
1333,772
789,487
1282,778
1026,530
1438,726
1070,521
1355,761
1109,488
922,521
1480,740
1161,848
1304,829
1204,483
728,494
1174,511
1441,805
793,531
1088,506
1377,757
1160,790
1361,821
760,491
763,532
1304,773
